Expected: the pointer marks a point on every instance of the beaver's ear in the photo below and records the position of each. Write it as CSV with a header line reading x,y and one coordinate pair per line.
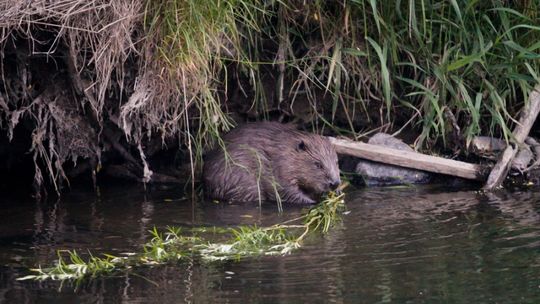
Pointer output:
x,y
301,146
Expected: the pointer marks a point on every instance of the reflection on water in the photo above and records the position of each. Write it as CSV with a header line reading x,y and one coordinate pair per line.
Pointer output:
x,y
396,245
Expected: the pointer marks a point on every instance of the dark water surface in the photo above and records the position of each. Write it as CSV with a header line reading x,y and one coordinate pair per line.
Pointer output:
x,y
397,245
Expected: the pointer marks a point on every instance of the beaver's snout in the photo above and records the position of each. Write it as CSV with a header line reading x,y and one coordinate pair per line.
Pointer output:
x,y
333,185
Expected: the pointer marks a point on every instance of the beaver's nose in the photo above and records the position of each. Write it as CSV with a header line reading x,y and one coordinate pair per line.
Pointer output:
x,y
334,184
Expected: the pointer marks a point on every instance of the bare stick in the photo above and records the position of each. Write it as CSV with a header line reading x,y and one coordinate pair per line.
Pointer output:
x,y
528,116
408,159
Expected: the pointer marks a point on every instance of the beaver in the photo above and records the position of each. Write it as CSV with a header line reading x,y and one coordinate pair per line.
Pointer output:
x,y
270,161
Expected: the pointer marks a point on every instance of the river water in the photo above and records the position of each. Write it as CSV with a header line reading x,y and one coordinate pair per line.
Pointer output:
x,y
394,245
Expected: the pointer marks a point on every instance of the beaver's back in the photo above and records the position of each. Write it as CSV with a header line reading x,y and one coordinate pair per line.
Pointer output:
x,y
262,135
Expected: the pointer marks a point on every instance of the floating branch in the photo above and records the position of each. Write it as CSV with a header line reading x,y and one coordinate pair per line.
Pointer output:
x,y
171,246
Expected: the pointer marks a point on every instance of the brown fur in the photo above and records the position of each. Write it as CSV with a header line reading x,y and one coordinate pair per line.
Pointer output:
x,y
266,160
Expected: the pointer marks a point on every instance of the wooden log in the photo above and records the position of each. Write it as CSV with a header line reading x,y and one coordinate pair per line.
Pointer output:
x,y
407,159
527,118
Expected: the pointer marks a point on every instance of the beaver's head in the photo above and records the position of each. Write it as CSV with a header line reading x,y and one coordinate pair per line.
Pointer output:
x,y
315,166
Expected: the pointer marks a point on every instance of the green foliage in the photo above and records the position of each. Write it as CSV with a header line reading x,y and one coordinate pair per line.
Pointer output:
x,y
250,241
172,246
477,60
168,247
77,267
278,239
324,215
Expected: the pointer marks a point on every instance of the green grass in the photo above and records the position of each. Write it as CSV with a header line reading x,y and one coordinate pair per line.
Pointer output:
x,y
477,60
417,60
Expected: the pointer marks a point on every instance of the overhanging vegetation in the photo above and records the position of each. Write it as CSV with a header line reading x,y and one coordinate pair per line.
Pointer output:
x,y
91,81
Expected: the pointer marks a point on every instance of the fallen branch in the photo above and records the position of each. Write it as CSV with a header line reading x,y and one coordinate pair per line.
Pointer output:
x,y
407,159
528,117
535,146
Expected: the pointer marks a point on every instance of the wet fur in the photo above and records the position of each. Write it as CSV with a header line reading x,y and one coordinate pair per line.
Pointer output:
x,y
270,161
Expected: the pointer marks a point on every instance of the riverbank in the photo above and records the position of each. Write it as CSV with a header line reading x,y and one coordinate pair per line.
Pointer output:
x,y
141,89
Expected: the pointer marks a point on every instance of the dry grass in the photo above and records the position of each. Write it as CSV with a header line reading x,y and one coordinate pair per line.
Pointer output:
x,y
175,69
97,38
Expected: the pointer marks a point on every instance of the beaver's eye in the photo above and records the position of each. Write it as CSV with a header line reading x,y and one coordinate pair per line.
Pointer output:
x,y
318,165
